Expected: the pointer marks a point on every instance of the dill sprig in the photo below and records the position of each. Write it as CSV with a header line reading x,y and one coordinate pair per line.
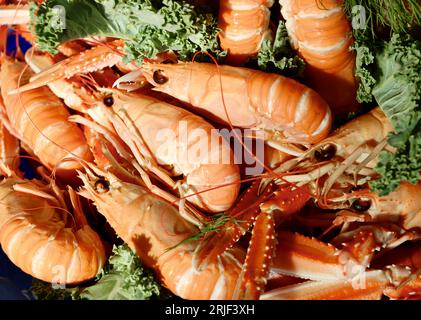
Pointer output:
x,y
217,223
396,15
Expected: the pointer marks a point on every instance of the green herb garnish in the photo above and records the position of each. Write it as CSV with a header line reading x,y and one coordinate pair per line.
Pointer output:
x,y
148,26
217,223
390,16
278,56
123,278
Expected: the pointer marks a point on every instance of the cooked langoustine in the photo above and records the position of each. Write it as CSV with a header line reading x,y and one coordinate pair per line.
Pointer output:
x,y
41,236
244,25
321,33
331,170
38,232
152,226
357,143
338,169
40,120
287,111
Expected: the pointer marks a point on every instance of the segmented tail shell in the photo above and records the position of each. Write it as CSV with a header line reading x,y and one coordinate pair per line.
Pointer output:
x,y
244,25
321,34
40,237
41,120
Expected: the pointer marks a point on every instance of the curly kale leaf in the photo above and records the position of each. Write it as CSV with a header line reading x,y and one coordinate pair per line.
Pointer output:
x,y
398,93
124,278
46,291
148,26
404,165
364,62
278,56
398,88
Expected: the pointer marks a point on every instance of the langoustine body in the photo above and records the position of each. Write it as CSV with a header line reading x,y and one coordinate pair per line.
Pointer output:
x,y
281,107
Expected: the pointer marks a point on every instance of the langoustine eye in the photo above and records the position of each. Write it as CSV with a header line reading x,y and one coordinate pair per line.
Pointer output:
x,y
361,205
160,77
325,152
109,101
102,186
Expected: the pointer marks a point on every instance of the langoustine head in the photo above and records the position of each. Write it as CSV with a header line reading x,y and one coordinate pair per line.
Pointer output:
x,y
338,171
135,213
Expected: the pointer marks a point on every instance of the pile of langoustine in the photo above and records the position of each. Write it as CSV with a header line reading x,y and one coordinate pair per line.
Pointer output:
x,y
91,121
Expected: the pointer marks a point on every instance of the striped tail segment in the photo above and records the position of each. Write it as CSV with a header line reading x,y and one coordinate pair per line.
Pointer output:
x,y
321,33
244,24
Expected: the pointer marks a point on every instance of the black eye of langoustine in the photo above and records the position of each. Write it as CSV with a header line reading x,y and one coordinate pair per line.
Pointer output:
x,y
102,186
325,152
109,101
159,77
361,205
